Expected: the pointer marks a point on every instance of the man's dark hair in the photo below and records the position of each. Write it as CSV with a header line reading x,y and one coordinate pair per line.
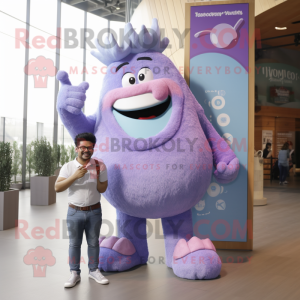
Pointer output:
x,y
268,144
86,136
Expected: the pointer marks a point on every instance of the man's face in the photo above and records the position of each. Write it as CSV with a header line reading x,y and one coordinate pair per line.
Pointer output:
x,y
85,150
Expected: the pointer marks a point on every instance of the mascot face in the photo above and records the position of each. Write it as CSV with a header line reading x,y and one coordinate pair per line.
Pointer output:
x,y
142,95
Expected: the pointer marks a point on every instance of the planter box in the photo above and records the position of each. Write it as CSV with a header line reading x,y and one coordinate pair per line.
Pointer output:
x,y
56,172
16,186
42,190
9,209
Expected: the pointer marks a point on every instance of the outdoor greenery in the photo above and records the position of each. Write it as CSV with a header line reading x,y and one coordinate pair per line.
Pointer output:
x,y
64,156
5,166
55,157
29,159
16,161
42,157
71,151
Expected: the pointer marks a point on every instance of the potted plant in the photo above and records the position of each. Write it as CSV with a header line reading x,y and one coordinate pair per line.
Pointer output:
x,y
71,151
55,159
29,163
16,166
64,156
9,198
42,185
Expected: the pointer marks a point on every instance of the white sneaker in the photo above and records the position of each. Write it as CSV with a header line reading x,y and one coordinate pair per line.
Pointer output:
x,y
285,182
73,279
98,277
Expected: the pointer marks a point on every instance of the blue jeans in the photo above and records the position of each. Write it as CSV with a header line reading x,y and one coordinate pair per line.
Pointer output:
x,y
89,221
283,171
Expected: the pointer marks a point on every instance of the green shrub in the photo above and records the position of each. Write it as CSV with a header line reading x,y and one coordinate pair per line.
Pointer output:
x,y
55,157
64,156
17,161
29,159
5,166
71,151
42,157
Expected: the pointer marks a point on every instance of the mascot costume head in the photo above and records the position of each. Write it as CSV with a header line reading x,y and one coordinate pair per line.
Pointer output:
x,y
153,131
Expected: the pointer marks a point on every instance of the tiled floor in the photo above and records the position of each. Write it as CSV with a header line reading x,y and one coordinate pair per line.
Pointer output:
x,y
271,271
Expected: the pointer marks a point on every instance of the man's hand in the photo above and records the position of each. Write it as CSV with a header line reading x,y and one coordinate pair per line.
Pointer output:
x,y
79,173
101,186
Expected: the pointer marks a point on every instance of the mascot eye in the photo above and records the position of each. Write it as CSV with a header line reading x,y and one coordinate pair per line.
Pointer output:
x,y
128,79
145,75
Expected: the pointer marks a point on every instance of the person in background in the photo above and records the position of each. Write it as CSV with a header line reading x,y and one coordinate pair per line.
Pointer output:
x,y
291,155
267,151
283,163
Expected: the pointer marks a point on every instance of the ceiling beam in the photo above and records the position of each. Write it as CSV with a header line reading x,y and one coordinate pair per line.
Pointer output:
x,y
73,2
115,12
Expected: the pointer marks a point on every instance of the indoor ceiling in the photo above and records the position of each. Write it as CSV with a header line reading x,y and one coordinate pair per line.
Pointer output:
x,y
112,10
286,14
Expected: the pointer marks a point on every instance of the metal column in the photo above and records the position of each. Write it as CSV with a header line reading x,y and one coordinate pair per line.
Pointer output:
x,y
57,61
25,97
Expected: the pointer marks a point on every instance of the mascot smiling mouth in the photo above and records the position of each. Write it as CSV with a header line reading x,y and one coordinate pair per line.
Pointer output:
x,y
155,110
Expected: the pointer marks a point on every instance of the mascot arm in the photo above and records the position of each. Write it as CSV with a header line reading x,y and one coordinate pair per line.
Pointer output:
x,y
70,101
224,159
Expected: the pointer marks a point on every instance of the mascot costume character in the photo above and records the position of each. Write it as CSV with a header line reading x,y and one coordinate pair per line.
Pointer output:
x,y
153,125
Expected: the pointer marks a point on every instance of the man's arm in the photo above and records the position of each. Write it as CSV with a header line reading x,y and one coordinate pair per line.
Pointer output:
x,y
62,183
101,186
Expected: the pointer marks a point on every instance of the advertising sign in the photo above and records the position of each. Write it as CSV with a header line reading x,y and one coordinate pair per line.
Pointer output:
x,y
278,85
219,79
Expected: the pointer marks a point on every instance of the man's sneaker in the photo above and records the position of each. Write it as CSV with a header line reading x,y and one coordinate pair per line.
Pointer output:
x,y
280,182
98,277
73,279
285,182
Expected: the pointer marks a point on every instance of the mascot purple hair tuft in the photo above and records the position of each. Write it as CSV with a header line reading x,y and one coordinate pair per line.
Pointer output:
x,y
156,130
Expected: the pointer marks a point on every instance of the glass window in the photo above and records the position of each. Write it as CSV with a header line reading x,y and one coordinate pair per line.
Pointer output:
x,y
16,8
116,29
43,15
41,68
12,75
95,70
71,52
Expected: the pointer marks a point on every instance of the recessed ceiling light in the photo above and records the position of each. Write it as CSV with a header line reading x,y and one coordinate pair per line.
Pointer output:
x,y
280,28
118,5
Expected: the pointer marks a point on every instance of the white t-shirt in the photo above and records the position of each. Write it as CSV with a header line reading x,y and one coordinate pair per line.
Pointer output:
x,y
83,191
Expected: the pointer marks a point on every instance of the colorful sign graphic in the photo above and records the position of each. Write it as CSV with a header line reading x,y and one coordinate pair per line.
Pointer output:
x,y
277,85
219,56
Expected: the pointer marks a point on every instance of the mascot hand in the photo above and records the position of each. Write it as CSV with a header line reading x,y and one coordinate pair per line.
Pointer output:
x,y
70,98
227,173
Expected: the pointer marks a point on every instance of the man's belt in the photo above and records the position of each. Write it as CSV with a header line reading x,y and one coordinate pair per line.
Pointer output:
x,y
91,207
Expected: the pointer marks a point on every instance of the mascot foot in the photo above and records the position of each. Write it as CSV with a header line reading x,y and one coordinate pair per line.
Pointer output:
x,y
196,259
117,254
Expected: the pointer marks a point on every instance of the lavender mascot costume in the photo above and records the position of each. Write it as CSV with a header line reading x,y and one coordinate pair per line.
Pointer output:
x,y
156,131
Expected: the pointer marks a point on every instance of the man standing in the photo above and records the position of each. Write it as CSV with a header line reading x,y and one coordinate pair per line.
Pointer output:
x,y
85,178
